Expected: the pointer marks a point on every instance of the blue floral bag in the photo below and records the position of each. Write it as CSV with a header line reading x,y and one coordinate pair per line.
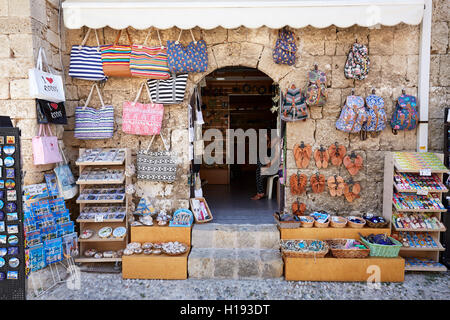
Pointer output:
x,y
376,115
353,115
405,116
193,58
285,48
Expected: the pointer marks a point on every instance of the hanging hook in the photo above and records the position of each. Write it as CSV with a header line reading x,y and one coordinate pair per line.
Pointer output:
x,y
302,144
373,90
403,91
353,92
353,155
316,66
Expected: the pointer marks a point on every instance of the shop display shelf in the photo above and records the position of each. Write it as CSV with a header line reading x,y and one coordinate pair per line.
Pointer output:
x,y
443,229
100,201
400,169
439,248
96,238
90,182
330,233
100,163
98,221
89,260
417,268
419,210
418,190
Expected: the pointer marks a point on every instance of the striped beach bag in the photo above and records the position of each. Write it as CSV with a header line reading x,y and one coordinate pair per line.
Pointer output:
x,y
86,61
149,62
170,91
91,123
116,58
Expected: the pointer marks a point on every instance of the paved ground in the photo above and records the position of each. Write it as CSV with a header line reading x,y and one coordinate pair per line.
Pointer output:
x,y
98,286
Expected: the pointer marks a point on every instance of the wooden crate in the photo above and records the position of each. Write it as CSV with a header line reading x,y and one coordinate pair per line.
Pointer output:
x,y
330,233
155,266
332,269
157,233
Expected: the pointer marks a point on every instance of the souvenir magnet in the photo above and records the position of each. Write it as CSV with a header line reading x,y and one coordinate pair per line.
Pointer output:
x,y
10,184
13,240
2,276
10,207
9,150
11,216
13,262
10,140
10,173
12,251
11,195
13,228
3,252
2,262
2,194
2,226
2,239
2,184
1,204
12,275
9,161
2,140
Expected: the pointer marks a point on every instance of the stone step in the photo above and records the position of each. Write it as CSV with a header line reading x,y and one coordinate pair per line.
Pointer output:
x,y
220,263
232,236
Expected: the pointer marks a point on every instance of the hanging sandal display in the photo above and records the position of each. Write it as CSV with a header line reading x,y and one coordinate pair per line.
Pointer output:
x,y
337,154
298,208
302,155
321,157
353,163
352,190
298,183
336,186
317,183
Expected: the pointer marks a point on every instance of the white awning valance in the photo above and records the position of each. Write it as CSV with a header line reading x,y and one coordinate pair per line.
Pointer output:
x,y
209,14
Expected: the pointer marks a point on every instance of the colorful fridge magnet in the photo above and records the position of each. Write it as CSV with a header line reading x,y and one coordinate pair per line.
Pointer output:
x,y
11,195
2,276
10,207
13,251
10,184
13,239
2,262
10,173
2,184
9,161
2,215
9,150
1,162
1,204
12,275
14,262
11,216
10,140
2,194
2,226
2,140
2,239
13,228
3,252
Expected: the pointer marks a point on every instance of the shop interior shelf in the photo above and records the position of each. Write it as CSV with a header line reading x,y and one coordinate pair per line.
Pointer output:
x,y
88,260
96,238
416,268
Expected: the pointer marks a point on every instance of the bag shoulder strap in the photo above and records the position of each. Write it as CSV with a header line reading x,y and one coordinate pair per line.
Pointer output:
x,y
42,128
120,33
86,37
192,35
153,138
41,59
144,83
90,96
149,35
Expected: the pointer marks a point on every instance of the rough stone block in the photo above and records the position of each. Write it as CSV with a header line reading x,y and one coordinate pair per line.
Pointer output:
x,y
19,89
381,41
237,35
300,131
21,45
10,25
4,89
406,39
439,38
225,263
338,79
215,36
248,263
444,74
3,8
5,51
200,263
225,237
250,54
266,65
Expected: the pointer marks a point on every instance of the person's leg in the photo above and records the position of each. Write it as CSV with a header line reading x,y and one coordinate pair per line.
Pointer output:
x,y
259,183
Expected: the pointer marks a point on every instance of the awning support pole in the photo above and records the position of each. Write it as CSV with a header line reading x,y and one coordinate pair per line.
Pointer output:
x,y
424,77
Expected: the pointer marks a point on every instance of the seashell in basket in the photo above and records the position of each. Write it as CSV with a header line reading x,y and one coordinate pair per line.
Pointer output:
x,y
306,221
338,222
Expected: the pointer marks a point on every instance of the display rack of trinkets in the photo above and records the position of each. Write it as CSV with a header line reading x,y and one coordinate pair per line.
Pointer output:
x,y
104,204
412,201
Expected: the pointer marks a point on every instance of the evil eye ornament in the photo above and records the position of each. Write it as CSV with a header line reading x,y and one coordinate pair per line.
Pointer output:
x,y
10,184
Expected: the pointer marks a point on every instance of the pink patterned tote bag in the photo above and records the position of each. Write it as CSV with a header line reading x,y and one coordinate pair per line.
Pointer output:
x,y
45,148
142,119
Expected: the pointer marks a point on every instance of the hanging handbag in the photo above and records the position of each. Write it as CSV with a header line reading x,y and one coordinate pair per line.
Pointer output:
x,y
142,119
66,182
358,62
86,61
149,62
405,115
45,148
316,91
45,85
193,58
156,165
353,115
294,107
285,48
91,123
50,112
116,58
170,91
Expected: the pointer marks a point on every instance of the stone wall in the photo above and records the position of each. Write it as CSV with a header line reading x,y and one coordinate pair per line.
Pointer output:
x,y
26,25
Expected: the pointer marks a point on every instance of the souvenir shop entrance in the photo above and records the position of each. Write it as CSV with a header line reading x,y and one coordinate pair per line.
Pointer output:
x,y
238,99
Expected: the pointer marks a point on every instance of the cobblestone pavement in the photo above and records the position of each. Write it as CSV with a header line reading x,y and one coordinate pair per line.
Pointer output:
x,y
97,286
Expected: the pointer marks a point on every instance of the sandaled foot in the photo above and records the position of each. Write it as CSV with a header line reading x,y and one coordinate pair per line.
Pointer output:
x,y
259,196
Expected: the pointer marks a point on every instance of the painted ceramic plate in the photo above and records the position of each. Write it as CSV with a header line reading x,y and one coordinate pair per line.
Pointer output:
x,y
2,252
119,232
13,262
2,262
9,150
86,234
9,161
105,232
10,184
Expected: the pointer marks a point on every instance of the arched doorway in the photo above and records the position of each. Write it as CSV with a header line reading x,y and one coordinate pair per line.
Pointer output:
x,y
237,98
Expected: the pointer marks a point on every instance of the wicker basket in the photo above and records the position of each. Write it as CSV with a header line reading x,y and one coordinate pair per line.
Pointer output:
x,y
380,250
338,222
321,224
356,225
286,224
346,253
307,254
371,224
306,224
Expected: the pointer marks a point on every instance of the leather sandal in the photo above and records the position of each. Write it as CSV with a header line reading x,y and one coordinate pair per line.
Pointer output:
x,y
351,191
353,163
321,157
336,186
298,208
337,154
317,183
298,183
302,155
